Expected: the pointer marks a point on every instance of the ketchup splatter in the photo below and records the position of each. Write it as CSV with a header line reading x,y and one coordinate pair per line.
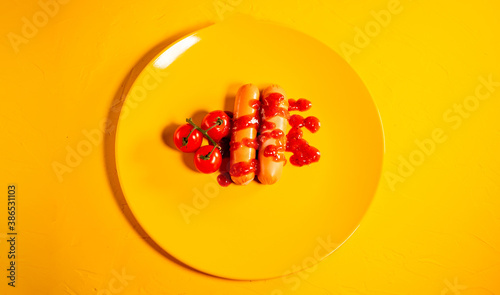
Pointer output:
x,y
296,121
276,134
248,142
275,151
224,179
251,143
267,125
244,122
294,134
304,155
235,145
303,152
243,168
312,124
301,105
271,106
254,104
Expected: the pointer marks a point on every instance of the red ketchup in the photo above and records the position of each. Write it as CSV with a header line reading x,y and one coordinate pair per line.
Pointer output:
x,y
244,122
303,152
224,179
312,124
267,125
243,168
255,104
271,106
296,121
250,143
274,150
241,123
301,105
235,145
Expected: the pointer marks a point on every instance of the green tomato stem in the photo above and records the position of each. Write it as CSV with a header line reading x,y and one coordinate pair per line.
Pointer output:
x,y
185,140
207,156
204,132
217,123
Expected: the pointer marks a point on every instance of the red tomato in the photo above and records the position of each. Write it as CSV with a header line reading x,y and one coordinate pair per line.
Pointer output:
x,y
222,124
205,163
186,142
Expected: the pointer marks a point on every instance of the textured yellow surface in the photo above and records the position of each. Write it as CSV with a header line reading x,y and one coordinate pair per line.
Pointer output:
x,y
431,67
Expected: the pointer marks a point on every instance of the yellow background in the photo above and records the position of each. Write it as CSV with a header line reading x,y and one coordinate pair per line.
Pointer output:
x,y
433,230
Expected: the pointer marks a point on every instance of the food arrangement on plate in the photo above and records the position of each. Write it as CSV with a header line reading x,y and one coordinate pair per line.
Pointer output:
x,y
253,138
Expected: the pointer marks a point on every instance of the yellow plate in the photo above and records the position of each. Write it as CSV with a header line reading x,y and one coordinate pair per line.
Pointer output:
x,y
255,231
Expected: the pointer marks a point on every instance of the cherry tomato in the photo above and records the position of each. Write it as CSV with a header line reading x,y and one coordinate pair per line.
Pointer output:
x,y
210,164
186,142
219,131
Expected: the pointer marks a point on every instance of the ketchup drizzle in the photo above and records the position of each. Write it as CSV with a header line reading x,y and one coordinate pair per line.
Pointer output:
x,y
254,104
251,143
293,141
244,122
271,106
224,179
243,168
312,124
267,125
235,145
275,151
303,152
296,121
301,105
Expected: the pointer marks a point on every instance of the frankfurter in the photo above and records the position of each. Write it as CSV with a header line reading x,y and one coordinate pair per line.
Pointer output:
x,y
272,138
243,142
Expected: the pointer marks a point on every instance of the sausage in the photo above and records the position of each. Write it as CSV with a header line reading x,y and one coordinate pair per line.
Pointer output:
x,y
272,138
243,142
